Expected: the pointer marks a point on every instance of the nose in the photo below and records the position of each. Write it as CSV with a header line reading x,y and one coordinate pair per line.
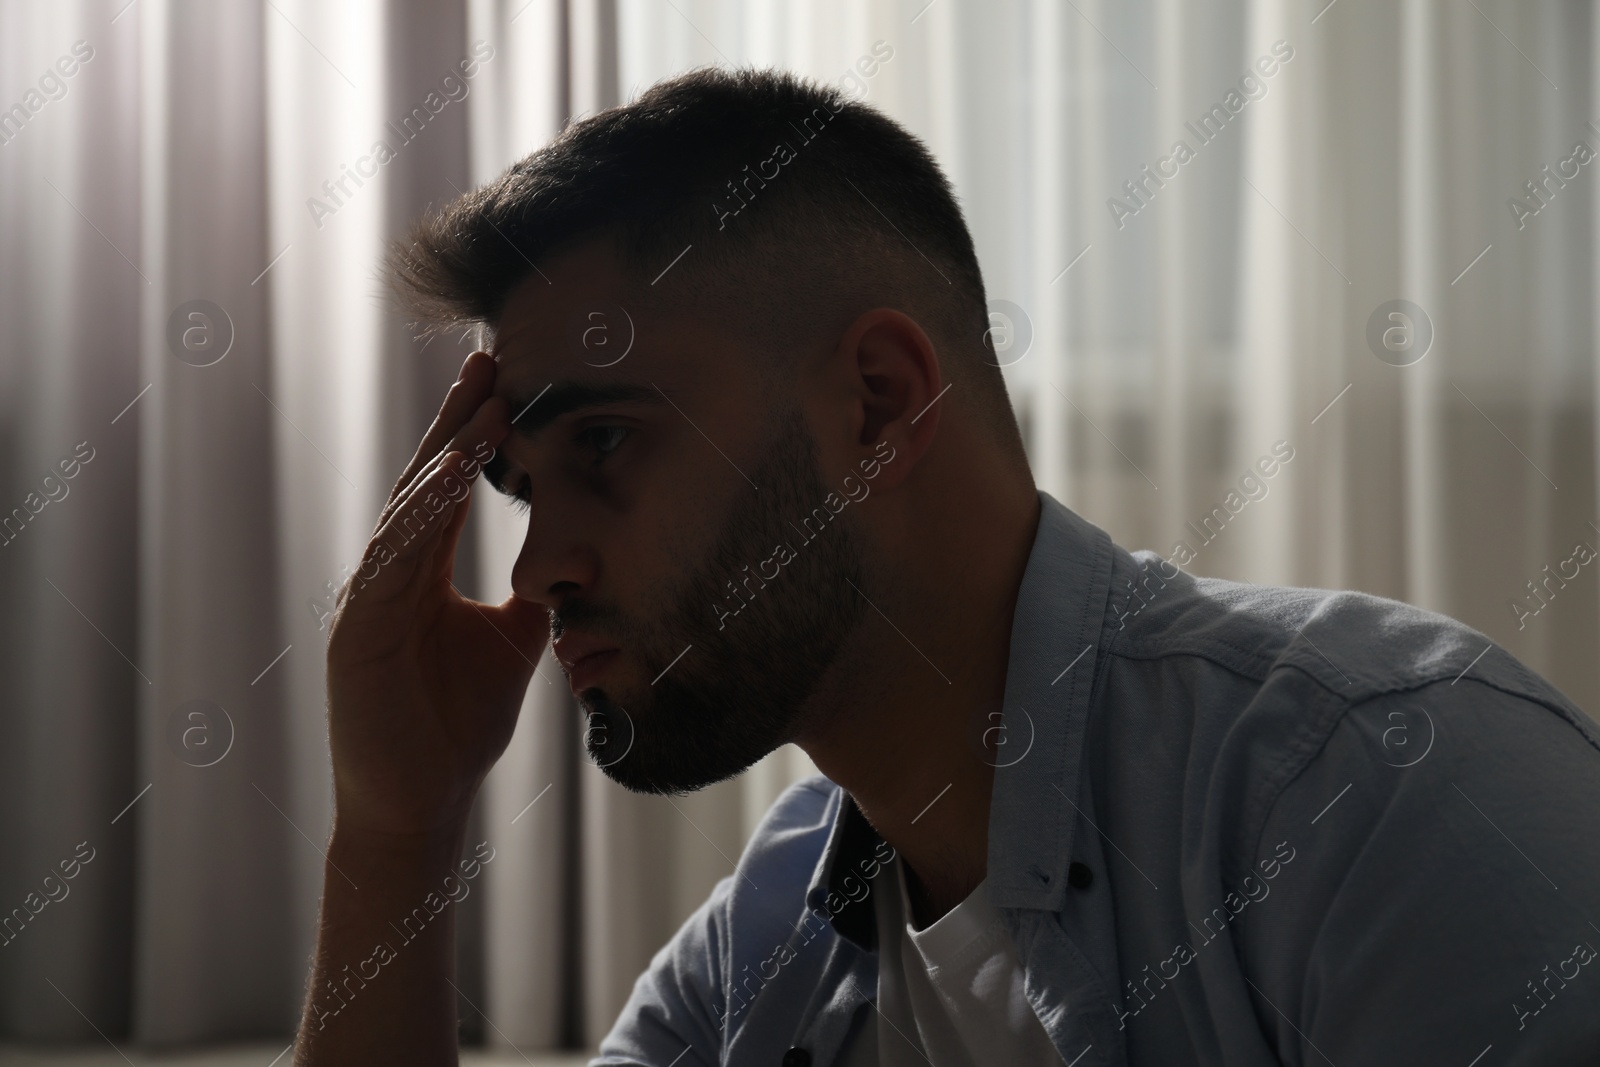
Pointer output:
x,y
557,562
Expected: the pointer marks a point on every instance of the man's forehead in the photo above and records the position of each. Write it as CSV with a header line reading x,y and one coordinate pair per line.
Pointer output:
x,y
567,324
600,344
558,295
584,319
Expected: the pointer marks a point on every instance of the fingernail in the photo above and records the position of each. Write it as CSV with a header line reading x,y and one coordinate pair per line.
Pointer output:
x,y
463,372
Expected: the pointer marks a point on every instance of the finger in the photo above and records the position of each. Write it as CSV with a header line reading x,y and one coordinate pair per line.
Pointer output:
x,y
413,529
465,396
426,508
444,556
462,403
477,439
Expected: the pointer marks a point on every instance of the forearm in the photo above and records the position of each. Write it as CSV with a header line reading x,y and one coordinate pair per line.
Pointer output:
x,y
381,984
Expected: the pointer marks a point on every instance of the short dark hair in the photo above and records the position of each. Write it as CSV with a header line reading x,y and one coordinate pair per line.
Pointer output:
x,y
800,208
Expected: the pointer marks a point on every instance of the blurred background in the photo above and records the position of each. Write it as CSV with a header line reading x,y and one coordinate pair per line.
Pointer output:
x,y
1357,233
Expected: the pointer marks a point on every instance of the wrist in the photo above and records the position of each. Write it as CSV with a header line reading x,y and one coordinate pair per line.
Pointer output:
x,y
443,841
410,825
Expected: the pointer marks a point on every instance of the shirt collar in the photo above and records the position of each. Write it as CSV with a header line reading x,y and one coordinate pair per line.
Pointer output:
x,y
1055,643
1055,639
842,884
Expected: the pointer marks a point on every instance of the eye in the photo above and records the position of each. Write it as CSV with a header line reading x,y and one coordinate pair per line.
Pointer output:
x,y
601,440
604,440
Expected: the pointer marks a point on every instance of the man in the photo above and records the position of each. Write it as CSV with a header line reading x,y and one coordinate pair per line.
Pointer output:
x,y
1079,807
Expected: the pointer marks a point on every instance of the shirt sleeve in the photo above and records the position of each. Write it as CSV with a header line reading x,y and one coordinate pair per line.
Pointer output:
x,y
1441,903
672,1014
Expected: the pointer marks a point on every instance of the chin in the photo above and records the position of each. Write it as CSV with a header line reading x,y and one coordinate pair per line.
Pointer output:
x,y
660,754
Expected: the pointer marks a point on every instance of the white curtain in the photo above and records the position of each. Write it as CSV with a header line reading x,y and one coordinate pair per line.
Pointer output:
x,y
1170,322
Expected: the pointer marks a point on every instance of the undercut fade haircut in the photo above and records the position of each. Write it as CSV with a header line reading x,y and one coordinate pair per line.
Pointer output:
x,y
782,207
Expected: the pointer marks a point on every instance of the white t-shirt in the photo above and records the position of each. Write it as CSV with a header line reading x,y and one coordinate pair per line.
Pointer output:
x,y
950,995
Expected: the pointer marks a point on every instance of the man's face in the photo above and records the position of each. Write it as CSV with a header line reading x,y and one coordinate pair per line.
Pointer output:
x,y
670,483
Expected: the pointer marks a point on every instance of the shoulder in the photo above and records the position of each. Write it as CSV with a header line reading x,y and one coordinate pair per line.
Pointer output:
x,y
1282,685
1419,804
1446,855
1316,649
1353,644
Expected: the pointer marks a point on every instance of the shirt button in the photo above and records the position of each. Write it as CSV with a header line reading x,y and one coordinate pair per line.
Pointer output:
x,y
797,1057
1079,876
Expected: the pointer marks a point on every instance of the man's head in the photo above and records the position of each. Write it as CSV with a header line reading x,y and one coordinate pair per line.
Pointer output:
x,y
728,318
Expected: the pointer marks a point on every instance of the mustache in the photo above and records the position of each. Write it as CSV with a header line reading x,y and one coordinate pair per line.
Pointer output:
x,y
584,615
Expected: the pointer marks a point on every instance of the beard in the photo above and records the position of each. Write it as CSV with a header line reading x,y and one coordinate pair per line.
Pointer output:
x,y
733,673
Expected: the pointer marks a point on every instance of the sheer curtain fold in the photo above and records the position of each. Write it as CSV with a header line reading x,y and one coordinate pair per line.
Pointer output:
x,y
224,161
206,936
70,249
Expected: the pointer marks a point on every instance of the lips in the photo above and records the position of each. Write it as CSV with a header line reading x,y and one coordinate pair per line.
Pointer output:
x,y
586,671
583,656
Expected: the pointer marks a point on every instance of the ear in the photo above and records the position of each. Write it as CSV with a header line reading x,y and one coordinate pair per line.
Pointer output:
x,y
895,375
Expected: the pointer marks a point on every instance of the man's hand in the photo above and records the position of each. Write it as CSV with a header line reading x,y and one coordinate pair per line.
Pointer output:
x,y
424,687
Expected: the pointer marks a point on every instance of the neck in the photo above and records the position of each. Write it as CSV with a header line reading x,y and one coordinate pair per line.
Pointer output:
x,y
910,709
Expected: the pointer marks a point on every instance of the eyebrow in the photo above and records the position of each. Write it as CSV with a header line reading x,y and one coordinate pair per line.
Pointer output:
x,y
531,413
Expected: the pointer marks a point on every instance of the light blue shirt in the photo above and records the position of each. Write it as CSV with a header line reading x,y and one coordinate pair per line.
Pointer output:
x,y
1301,827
